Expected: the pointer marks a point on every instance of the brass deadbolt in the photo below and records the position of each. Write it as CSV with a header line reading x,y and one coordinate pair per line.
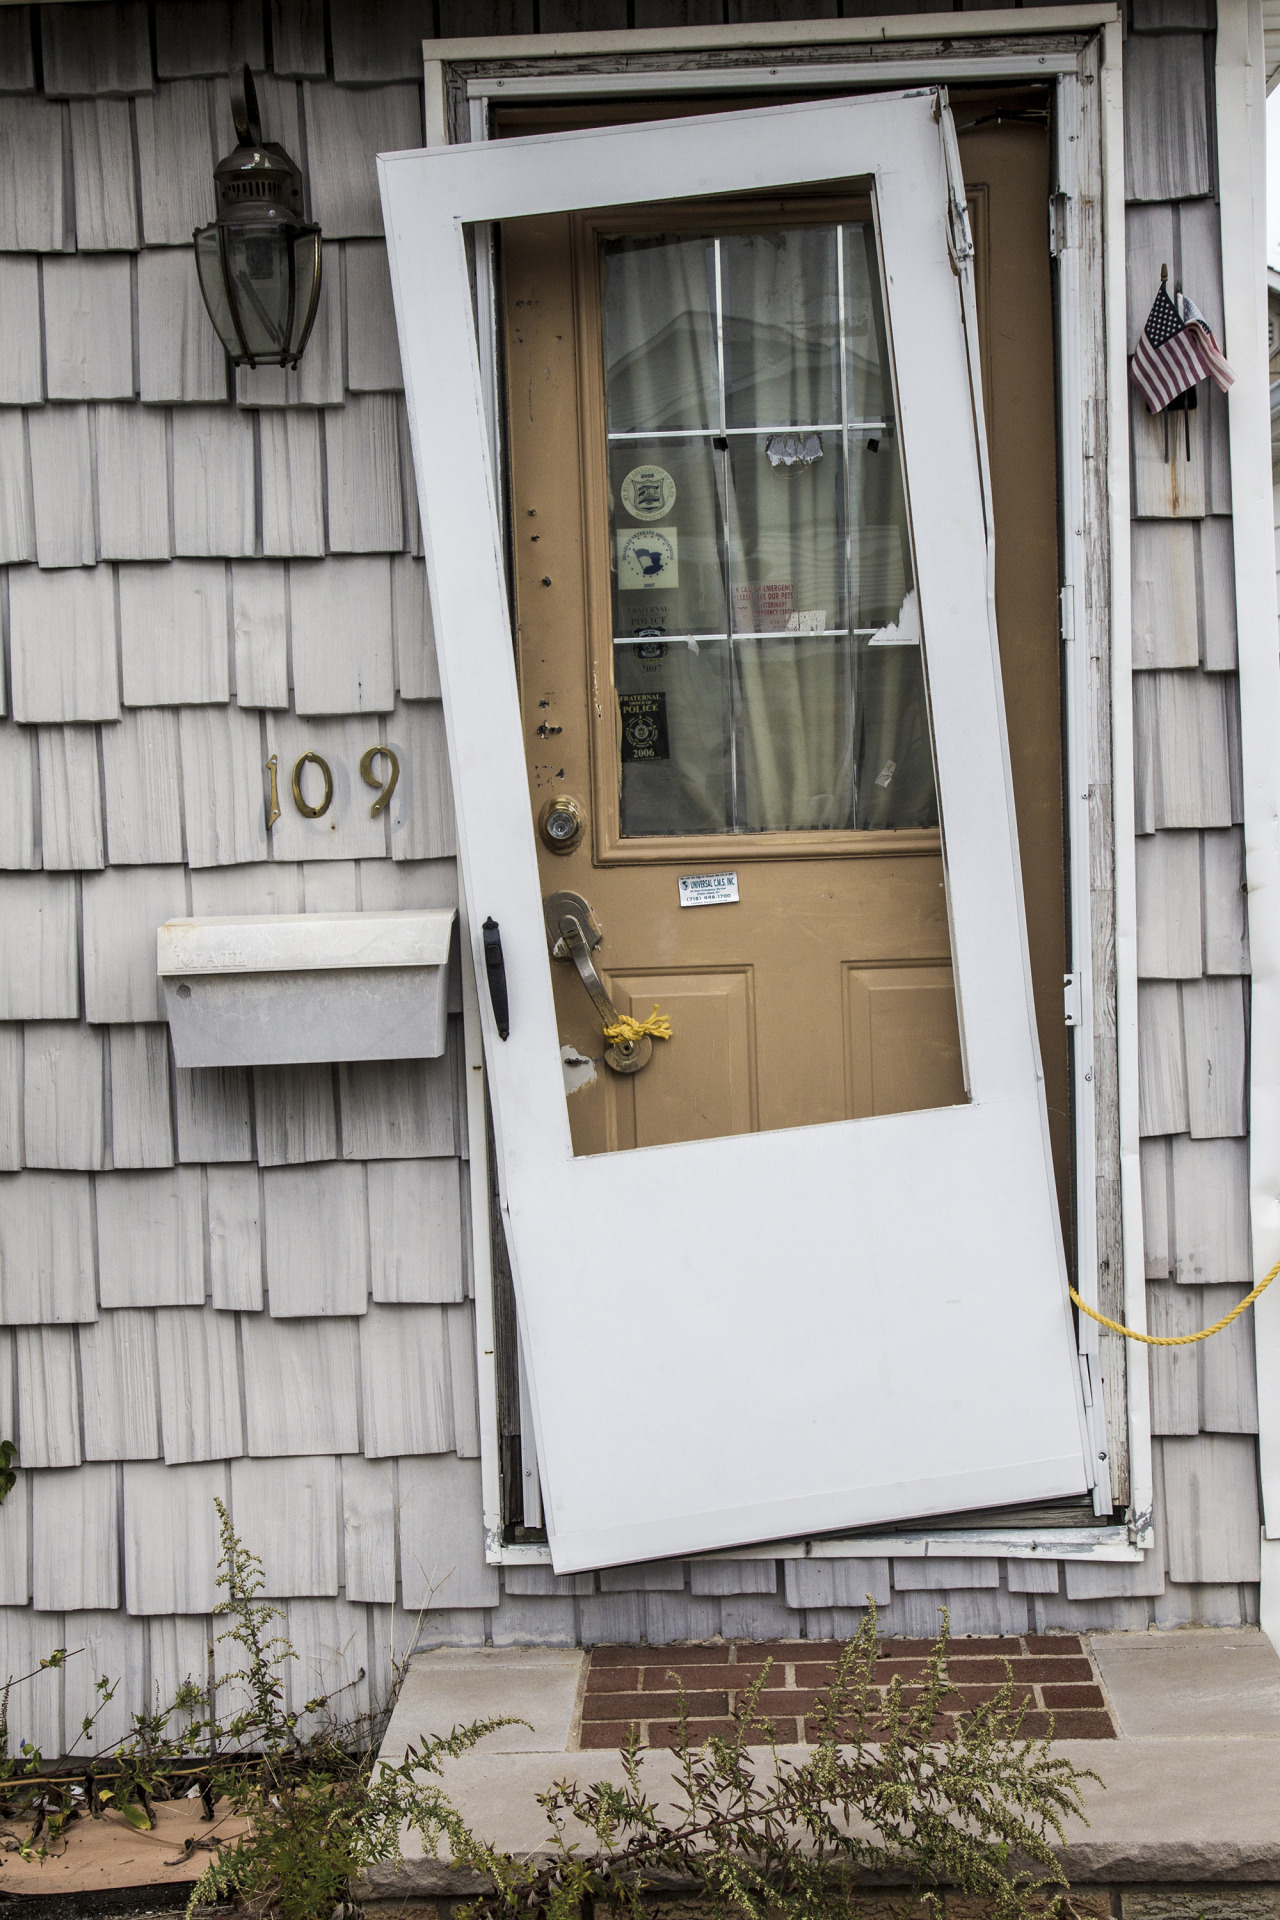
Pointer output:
x,y
562,823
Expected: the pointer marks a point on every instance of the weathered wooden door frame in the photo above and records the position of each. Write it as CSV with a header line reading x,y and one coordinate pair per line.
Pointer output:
x,y
462,79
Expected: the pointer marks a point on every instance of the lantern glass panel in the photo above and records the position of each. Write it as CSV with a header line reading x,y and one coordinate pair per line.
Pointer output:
x,y
269,273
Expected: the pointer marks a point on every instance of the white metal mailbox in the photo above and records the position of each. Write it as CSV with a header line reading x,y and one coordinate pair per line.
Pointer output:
x,y
278,988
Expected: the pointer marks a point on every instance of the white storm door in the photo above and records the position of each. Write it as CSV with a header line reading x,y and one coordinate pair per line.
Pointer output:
x,y
735,1340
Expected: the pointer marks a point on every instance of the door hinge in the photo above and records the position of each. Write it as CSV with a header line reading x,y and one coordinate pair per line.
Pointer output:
x,y
1071,999
1062,223
1067,612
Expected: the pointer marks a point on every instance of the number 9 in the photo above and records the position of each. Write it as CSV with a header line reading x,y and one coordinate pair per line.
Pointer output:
x,y
385,787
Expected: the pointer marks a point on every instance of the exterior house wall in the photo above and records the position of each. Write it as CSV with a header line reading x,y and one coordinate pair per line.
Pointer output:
x,y
253,1284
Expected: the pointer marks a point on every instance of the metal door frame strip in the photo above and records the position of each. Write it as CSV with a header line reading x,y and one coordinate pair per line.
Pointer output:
x,y
463,78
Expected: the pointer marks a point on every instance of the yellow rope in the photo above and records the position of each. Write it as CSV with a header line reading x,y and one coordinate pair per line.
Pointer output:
x,y
1177,1339
657,1026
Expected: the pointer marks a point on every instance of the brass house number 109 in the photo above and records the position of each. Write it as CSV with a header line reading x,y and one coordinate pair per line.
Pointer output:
x,y
368,773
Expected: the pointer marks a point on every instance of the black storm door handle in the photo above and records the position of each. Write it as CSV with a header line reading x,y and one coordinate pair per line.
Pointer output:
x,y
496,968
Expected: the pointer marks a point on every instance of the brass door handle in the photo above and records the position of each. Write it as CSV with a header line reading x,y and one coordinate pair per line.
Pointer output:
x,y
571,934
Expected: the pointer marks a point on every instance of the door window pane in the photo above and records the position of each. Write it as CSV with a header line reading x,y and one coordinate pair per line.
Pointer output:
x,y
767,647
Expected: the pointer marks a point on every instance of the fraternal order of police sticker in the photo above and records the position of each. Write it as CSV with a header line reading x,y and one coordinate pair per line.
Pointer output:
x,y
648,557
648,493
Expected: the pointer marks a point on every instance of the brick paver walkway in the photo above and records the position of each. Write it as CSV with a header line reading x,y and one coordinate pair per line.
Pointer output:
x,y
627,1685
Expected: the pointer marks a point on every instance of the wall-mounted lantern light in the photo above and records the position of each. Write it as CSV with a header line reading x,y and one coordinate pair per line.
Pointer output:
x,y
259,262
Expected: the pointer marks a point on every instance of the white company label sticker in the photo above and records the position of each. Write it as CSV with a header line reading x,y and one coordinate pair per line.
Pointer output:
x,y
707,889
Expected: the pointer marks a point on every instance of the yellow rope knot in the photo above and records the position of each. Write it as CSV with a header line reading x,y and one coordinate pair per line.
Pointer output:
x,y
657,1026
1177,1339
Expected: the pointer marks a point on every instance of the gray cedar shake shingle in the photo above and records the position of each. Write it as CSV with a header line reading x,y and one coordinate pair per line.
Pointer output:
x,y
1216,1046
26,1638
296,1118
46,1249
668,1617
1175,1371
415,1231
1154,1161
143,789
1229,1378
460,1321
102,169
292,488
70,799
346,831
1211,1493
417,673
1226,930
106,50
1169,931
278,104
373,352
11,1103
273,887
113,1644
223,786
941,1575
396,1109
1209,1212
442,1560
235,1238
260,623
122,909
552,1622
173,634
209,38
63,1108
75,1537
331,1640
388,884
1086,1580
362,463
171,1537
175,163
1182,753
1218,578
1162,1069
17,63
536,1582
607,1618
39,977
180,356
330,886
1166,626
297,37
829,1583
316,1239
19,845
1163,488
151,1238
301,1382
345,129
141,1131
200,1414
382,41
31,179
48,1397
15,1544
1166,118
409,486
62,645
320,379
404,1373
17,510
291,1508
214,480
368,1528
88,327
421,808
1155,16
178,1647
22,363
62,486
341,623
119,1387
133,483
214,1113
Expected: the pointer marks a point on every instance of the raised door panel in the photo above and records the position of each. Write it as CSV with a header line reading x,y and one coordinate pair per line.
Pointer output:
x,y
700,1084
902,1040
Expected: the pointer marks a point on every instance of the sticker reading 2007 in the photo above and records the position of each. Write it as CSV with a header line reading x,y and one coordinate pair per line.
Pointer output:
x,y
647,557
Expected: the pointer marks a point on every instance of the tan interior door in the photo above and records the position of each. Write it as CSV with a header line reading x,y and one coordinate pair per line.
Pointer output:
x,y
772,727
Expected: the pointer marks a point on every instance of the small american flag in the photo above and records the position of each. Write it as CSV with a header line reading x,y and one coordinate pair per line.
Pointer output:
x,y
1175,352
